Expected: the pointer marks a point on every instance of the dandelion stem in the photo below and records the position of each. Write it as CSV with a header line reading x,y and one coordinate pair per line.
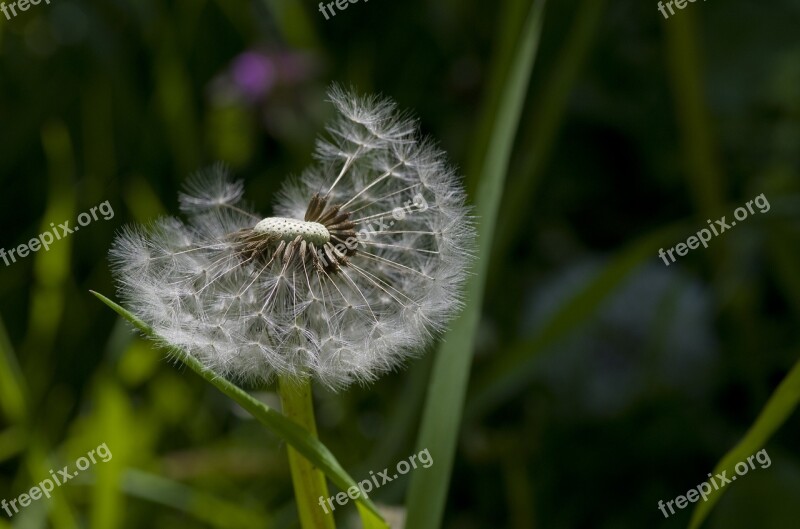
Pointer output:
x,y
310,488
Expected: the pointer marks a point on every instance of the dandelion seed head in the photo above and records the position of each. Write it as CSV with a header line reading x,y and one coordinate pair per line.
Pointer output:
x,y
361,266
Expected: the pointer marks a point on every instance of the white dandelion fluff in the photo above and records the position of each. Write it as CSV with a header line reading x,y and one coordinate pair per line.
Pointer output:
x,y
361,266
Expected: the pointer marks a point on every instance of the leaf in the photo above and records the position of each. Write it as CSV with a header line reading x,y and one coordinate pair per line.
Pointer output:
x,y
311,447
447,388
779,406
787,396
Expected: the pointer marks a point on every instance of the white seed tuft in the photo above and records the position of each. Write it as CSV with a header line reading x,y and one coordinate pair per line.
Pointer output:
x,y
361,267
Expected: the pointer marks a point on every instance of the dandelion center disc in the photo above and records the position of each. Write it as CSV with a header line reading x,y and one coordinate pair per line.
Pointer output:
x,y
286,229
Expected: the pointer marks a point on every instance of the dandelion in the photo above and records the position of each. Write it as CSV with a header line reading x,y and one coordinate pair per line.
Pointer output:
x,y
360,267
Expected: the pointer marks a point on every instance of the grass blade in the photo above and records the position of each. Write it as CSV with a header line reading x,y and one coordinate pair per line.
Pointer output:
x,y
309,446
447,389
542,133
204,507
779,406
512,369
13,391
705,176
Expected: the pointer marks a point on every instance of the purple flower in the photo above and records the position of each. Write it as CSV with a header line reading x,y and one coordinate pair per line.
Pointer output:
x,y
254,74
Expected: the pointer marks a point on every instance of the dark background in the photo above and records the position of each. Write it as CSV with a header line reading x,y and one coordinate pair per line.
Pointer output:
x,y
632,124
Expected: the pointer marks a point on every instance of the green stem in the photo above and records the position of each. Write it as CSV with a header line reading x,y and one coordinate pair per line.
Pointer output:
x,y
309,482
288,430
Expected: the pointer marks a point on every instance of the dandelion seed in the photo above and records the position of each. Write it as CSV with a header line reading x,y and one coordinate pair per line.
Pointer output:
x,y
361,266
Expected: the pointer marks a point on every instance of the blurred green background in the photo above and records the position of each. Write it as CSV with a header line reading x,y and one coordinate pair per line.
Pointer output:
x,y
602,382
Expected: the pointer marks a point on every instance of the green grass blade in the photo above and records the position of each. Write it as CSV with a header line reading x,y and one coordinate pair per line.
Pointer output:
x,y
114,415
13,402
311,447
783,251
14,393
512,369
52,275
38,465
779,406
13,442
447,388
508,30
705,176
787,396
294,22
214,511
542,132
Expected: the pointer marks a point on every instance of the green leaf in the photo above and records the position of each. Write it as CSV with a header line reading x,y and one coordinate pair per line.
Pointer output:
x,y
447,388
311,447
779,406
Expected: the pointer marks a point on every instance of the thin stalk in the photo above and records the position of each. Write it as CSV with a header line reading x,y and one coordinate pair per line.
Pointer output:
x,y
310,487
287,429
